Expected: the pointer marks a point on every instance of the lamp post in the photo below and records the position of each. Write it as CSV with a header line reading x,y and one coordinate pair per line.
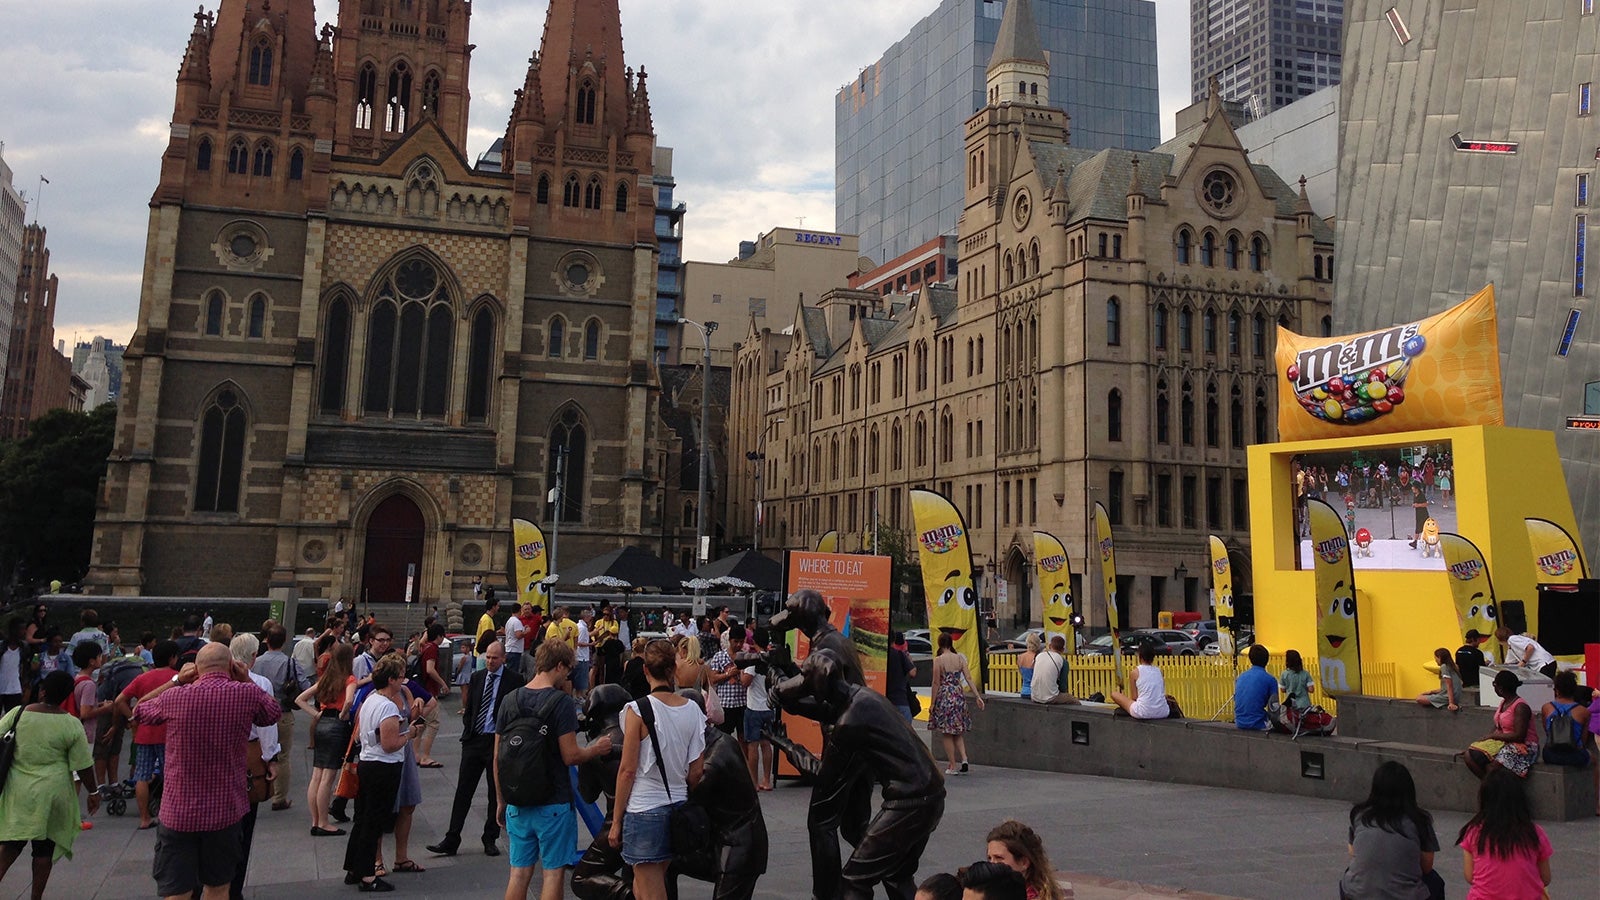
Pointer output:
x,y
759,457
701,546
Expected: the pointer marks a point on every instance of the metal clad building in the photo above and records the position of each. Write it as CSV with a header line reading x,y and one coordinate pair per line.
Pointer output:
x,y
897,132
1469,151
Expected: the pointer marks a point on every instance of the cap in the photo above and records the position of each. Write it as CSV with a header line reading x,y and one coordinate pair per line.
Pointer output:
x,y
896,637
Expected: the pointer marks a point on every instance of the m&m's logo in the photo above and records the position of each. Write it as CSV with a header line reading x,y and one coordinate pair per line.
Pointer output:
x,y
1558,563
941,540
1053,563
530,550
1467,569
1105,549
1220,565
1332,549
1359,378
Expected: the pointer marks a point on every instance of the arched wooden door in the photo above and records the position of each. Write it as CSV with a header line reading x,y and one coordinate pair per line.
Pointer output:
x,y
394,546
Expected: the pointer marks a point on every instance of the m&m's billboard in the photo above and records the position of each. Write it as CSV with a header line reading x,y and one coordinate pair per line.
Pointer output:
x,y
1439,372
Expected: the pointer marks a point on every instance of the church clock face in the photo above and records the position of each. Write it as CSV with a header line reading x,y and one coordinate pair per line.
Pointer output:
x,y
1022,210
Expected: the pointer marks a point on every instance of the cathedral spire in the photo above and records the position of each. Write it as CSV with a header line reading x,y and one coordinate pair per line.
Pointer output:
x,y
640,120
197,58
279,35
1019,37
581,70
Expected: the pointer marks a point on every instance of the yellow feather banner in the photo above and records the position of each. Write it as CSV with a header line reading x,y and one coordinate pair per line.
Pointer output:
x,y
1055,588
945,550
1338,634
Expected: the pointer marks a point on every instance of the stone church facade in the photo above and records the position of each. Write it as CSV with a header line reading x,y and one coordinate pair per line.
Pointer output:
x,y
358,356
1109,338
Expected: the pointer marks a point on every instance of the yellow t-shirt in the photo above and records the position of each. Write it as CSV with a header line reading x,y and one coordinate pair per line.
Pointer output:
x,y
485,624
602,631
565,630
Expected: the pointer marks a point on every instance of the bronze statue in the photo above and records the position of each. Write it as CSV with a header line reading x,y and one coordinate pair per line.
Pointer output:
x,y
868,739
807,612
601,873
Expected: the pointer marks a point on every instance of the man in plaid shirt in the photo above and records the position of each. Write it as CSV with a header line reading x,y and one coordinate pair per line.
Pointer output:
x,y
208,708
732,683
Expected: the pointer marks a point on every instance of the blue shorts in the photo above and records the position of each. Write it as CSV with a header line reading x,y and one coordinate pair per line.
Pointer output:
x,y
149,761
647,835
754,721
580,675
546,833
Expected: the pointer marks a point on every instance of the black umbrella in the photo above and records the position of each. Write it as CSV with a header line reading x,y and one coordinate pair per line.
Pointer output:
x,y
764,572
629,567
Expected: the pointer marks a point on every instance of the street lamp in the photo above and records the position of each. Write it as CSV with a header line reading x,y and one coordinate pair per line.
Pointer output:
x,y
759,457
701,544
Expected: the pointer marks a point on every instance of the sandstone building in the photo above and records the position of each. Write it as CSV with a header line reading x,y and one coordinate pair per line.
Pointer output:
x,y
38,377
358,356
1109,337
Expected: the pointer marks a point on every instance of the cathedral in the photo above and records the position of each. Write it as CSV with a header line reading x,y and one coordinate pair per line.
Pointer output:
x,y
358,355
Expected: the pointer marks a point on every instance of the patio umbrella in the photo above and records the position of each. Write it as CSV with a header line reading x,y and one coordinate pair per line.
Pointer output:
x,y
757,571
628,567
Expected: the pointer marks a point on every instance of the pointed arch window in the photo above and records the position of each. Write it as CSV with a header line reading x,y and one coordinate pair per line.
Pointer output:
x,y
1258,335
214,308
584,113
1208,249
335,356
366,95
1208,331
258,316
873,450
855,455
1213,418
542,194
896,447
591,193
409,344
1185,329
558,337
238,158
1230,252
480,358
1258,254
261,62
1113,322
297,165
263,161
570,192
1163,417
1263,424
1161,328
1236,418
622,198
921,441
1186,418
430,94
1235,337
202,156
398,106
947,439
1009,269
591,340
1185,246
221,461
1114,415
565,466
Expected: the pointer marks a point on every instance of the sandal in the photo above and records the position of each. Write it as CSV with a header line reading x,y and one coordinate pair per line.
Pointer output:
x,y
378,871
407,865
430,764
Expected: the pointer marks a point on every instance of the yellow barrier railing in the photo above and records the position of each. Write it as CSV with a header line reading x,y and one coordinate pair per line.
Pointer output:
x,y
1202,684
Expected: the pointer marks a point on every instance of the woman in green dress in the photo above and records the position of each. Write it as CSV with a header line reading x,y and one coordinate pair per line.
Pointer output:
x,y
39,802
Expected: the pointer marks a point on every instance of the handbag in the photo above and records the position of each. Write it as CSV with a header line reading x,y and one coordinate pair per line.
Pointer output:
x,y
259,786
8,745
714,713
690,823
914,703
349,783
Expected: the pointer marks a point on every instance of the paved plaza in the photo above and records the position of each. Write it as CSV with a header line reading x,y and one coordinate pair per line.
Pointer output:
x,y
1113,839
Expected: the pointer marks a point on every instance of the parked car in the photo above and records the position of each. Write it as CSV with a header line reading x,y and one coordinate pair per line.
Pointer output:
x,y
918,645
1204,632
1169,641
922,633
1242,640
1100,646
1018,643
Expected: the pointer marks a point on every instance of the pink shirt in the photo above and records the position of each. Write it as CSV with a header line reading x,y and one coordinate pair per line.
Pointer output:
x,y
1505,717
1514,877
208,726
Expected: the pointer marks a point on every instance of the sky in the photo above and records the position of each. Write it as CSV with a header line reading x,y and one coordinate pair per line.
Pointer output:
x,y
742,90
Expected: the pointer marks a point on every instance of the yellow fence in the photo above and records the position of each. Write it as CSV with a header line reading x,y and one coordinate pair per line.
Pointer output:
x,y
1202,684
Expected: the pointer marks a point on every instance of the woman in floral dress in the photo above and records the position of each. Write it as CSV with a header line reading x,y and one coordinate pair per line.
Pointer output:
x,y
948,715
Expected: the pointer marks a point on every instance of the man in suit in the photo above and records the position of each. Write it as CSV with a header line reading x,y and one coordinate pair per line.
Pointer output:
x,y
484,693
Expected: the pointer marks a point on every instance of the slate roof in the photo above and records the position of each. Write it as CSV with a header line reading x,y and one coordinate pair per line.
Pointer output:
x,y
1019,36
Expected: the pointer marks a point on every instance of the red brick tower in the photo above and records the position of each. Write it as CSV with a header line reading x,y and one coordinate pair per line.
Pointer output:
x,y
398,63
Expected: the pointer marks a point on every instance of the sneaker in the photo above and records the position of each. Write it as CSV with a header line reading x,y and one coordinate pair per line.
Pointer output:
x,y
964,768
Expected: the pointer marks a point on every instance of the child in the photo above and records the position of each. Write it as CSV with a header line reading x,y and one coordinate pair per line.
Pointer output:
x,y
53,658
1448,696
1295,682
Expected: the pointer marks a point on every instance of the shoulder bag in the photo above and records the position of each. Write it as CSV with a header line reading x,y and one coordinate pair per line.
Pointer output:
x,y
690,824
8,745
258,786
714,713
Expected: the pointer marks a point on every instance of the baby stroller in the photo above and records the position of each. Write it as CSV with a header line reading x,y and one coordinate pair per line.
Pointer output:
x,y
116,795
1313,720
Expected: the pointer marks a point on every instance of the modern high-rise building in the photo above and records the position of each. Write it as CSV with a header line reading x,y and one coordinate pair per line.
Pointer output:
x,y
13,215
1264,53
898,151
669,271
1481,174
99,364
38,376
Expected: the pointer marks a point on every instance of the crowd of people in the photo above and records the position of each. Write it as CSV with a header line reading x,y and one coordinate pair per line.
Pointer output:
x,y
211,713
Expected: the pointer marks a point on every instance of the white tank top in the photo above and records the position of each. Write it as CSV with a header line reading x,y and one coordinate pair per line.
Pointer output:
x,y
683,738
1152,702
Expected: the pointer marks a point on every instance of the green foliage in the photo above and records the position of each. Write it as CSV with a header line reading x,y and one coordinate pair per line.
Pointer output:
x,y
49,482
905,593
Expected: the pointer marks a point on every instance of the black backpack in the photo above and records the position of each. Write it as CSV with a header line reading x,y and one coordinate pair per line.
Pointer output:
x,y
116,677
189,649
529,755
1563,731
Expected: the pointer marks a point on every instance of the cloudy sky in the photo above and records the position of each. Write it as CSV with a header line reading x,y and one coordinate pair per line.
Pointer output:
x,y
741,89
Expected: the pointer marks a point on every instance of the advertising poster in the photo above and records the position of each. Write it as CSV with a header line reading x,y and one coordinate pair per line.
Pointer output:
x,y
1222,596
857,590
1055,589
1108,576
1338,638
1470,586
1438,372
1556,557
945,550
532,560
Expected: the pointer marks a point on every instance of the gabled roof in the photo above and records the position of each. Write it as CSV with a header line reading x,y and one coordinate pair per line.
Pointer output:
x,y
815,323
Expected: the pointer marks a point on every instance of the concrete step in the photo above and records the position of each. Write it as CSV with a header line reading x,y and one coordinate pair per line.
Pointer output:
x,y
1388,719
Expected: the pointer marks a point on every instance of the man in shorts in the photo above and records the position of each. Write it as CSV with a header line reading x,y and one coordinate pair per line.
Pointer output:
x,y
209,708
731,684
149,740
547,832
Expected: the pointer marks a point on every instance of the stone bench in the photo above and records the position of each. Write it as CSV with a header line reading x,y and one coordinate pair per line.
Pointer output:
x,y
1089,740
1385,718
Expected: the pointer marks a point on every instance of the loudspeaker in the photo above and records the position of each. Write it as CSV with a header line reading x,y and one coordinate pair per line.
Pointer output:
x,y
1569,619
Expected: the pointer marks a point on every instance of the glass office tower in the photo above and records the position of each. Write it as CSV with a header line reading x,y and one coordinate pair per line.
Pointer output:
x,y
898,126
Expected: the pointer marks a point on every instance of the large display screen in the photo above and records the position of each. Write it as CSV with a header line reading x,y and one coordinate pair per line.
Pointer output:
x,y
1394,499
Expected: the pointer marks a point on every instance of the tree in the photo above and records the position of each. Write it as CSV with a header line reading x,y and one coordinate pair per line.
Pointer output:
x,y
906,580
49,483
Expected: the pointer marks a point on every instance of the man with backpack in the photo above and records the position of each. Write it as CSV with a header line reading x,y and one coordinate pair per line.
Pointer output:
x,y
536,738
149,740
193,639
288,680
115,676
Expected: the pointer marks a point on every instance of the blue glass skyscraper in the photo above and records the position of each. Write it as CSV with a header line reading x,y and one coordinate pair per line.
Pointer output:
x,y
897,127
